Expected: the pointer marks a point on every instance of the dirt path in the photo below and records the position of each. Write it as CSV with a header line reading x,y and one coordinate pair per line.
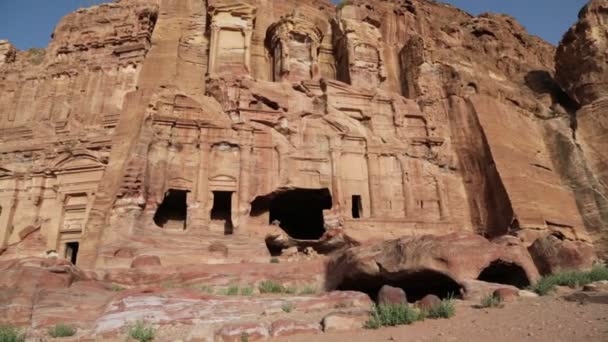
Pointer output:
x,y
532,319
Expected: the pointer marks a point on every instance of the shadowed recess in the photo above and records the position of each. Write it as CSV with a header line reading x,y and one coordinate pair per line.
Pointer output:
x,y
416,284
505,273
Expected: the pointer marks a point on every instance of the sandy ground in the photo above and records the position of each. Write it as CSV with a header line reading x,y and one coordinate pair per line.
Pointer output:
x,y
532,319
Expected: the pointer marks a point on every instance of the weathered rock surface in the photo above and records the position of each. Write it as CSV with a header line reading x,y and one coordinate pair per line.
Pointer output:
x,y
552,254
582,71
431,264
161,145
391,295
161,130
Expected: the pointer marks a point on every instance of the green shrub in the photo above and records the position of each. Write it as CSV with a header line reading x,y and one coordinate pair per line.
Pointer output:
x,y
490,301
116,288
62,330
268,286
247,291
11,334
274,260
203,288
141,332
570,279
232,290
308,290
288,307
391,315
291,290
445,309
244,337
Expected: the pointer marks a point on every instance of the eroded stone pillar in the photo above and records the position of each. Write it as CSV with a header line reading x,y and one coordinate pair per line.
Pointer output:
x,y
336,154
374,184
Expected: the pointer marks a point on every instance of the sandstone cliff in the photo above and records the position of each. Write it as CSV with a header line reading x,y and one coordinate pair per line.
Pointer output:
x,y
223,131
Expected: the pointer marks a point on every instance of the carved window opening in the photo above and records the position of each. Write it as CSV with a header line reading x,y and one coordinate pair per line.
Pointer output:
x,y
222,209
71,251
356,206
299,212
173,211
416,284
505,273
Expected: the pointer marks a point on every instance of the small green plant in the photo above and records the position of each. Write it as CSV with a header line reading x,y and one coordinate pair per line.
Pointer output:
x,y
391,315
570,279
139,331
11,334
308,290
246,291
62,330
232,290
274,260
288,307
244,337
268,286
445,309
203,288
116,288
291,290
490,301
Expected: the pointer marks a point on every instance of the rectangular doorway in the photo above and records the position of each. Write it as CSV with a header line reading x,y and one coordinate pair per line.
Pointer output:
x,y
356,206
71,251
222,209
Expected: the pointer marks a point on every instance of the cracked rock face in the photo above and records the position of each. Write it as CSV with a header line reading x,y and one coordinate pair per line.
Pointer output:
x,y
581,71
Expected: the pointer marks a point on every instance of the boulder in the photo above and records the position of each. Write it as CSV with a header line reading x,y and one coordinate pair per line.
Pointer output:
x,y
552,254
428,302
506,294
476,289
391,295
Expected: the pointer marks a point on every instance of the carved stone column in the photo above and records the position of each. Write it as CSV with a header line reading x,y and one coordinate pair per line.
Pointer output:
x,y
336,153
408,200
213,48
245,137
373,171
202,187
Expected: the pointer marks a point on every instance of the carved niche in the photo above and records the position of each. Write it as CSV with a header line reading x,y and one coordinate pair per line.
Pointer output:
x,y
231,30
294,46
359,53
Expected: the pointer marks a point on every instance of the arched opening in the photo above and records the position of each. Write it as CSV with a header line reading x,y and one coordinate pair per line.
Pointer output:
x,y
416,284
299,212
172,212
502,272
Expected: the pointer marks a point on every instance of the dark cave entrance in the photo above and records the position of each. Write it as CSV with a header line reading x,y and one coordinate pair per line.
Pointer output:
x,y
222,209
502,272
299,212
71,251
356,206
416,284
173,211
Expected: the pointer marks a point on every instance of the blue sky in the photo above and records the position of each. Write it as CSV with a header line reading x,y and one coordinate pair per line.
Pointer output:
x,y
29,23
